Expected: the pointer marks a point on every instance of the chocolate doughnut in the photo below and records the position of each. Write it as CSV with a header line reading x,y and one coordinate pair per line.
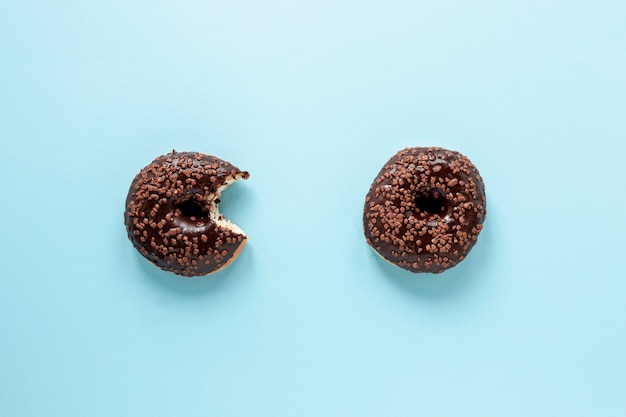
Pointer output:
x,y
172,215
425,209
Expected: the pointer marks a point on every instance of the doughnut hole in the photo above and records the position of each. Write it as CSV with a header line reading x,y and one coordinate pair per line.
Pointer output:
x,y
430,203
192,213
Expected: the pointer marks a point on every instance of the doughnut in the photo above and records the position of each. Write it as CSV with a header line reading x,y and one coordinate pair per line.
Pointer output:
x,y
425,209
172,215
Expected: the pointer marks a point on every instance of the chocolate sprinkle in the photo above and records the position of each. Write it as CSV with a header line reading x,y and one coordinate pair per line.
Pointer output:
x,y
425,209
172,217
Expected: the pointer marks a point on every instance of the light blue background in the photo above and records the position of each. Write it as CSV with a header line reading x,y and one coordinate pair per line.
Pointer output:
x,y
312,98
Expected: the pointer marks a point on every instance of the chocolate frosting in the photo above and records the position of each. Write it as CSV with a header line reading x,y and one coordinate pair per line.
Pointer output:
x,y
170,213
425,209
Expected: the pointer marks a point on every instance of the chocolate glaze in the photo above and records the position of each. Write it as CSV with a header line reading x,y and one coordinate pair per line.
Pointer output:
x,y
425,209
168,213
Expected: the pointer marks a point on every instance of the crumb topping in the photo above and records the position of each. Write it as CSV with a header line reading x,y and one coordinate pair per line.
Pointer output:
x,y
171,213
425,209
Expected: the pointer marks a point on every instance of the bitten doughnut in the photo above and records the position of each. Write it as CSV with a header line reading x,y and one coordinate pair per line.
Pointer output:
x,y
172,215
425,209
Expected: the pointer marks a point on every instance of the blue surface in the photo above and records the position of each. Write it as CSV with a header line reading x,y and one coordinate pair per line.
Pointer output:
x,y
312,98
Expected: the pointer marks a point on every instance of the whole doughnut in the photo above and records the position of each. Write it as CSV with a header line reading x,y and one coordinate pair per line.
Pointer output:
x,y
425,209
172,215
